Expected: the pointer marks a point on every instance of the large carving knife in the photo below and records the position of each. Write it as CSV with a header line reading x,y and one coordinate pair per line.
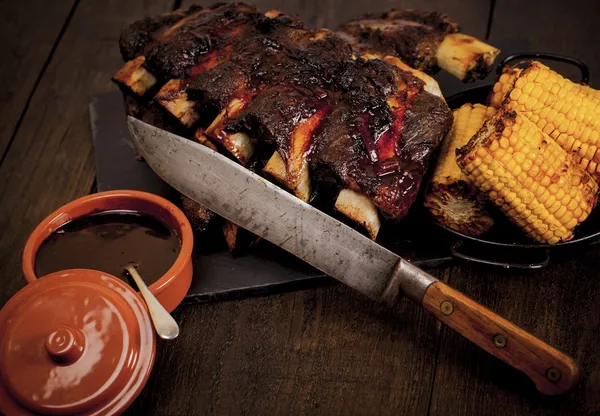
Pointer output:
x,y
329,245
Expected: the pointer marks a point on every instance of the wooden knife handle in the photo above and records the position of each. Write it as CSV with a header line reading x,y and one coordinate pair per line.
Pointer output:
x,y
552,371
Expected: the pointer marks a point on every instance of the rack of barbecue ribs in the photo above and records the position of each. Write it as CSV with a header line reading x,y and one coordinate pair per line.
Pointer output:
x,y
336,116
425,41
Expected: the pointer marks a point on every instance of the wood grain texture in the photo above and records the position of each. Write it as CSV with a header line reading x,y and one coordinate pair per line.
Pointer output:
x,y
28,30
559,304
51,160
325,351
552,371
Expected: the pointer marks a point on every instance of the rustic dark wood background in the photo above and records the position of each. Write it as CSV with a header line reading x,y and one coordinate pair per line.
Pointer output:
x,y
322,351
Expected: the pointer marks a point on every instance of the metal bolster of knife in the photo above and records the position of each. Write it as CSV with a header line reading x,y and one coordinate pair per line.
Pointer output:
x,y
408,279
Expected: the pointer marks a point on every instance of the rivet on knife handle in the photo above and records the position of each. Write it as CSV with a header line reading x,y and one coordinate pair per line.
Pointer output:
x,y
552,371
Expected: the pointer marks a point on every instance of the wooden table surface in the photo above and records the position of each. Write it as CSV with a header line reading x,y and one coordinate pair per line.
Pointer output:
x,y
320,351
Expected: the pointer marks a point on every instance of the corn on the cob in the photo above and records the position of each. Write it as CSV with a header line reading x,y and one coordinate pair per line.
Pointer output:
x,y
505,83
529,177
567,112
451,197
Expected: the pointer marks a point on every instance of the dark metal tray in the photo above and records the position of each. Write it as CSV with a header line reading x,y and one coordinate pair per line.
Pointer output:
x,y
266,268
505,241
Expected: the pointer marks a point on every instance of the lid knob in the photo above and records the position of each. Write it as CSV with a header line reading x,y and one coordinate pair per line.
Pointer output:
x,y
65,345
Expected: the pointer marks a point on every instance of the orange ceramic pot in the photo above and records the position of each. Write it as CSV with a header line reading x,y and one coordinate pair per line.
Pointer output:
x,y
74,342
171,288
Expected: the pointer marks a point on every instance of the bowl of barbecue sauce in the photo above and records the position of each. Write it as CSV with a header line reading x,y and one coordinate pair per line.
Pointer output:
x,y
108,230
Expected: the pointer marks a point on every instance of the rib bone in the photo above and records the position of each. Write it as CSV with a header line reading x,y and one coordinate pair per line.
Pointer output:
x,y
174,99
238,143
466,57
135,77
359,209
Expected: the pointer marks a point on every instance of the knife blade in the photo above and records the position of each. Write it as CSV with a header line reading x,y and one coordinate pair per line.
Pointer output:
x,y
263,208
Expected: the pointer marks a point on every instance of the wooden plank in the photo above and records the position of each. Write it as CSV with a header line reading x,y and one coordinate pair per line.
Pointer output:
x,y
323,352
28,30
553,27
50,161
560,304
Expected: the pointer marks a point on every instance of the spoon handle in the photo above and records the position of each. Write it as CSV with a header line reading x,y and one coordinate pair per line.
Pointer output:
x,y
165,325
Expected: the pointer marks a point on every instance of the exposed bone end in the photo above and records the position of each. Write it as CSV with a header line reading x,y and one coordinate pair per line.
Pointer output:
x,y
273,14
275,167
217,124
238,144
320,34
200,218
298,172
238,239
230,231
135,77
302,187
174,99
431,85
466,57
202,139
359,209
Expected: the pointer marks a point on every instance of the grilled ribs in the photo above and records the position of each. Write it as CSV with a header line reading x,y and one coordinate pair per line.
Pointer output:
x,y
295,104
412,35
424,40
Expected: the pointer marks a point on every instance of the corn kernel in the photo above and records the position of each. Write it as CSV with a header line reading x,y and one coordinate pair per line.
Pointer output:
x,y
561,211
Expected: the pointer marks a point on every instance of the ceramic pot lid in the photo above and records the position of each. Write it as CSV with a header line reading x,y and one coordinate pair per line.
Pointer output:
x,y
74,342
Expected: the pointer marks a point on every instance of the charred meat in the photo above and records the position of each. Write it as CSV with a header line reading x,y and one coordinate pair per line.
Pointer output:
x,y
299,106
426,41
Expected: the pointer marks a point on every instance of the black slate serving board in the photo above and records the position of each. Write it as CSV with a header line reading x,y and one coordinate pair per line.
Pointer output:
x,y
217,275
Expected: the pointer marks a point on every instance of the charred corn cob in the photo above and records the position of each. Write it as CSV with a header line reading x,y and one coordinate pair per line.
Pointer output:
x,y
567,112
529,177
504,84
451,197
507,81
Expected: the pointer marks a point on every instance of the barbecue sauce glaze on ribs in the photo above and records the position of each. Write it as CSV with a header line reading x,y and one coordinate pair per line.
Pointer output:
x,y
412,35
336,120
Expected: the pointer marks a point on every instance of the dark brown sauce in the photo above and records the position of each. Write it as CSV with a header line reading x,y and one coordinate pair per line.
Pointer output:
x,y
108,241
